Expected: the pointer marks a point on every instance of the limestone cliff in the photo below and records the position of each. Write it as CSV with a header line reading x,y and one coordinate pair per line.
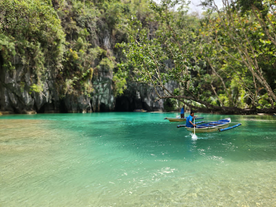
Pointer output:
x,y
17,96
64,57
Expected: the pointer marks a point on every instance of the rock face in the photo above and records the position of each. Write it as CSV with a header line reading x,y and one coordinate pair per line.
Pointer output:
x,y
18,96
15,96
75,104
15,92
102,97
138,96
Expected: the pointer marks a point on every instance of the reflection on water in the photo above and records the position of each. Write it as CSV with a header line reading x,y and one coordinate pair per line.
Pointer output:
x,y
134,159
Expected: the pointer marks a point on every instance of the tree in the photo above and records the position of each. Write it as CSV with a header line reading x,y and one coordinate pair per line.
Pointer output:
x,y
242,38
30,33
209,59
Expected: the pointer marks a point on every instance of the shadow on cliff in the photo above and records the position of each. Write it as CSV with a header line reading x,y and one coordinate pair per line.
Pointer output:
x,y
125,103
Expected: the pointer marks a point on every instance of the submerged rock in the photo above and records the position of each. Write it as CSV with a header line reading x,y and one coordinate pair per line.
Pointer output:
x,y
29,112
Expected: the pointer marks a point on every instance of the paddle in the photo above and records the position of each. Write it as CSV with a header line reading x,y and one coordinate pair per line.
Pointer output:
x,y
194,137
194,126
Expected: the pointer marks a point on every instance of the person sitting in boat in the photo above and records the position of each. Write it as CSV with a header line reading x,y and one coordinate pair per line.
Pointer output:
x,y
182,113
189,120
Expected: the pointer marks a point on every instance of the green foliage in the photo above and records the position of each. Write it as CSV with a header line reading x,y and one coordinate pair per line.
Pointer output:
x,y
31,31
120,84
7,50
36,88
60,39
170,104
82,22
224,59
107,63
212,59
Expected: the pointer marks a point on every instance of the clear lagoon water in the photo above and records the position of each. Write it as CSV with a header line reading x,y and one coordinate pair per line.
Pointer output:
x,y
134,159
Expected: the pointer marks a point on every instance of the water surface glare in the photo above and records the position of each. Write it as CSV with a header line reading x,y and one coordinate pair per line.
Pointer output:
x,y
135,159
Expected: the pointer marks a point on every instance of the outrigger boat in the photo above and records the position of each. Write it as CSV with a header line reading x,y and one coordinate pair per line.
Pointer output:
x,y
178,119
220,125
175,119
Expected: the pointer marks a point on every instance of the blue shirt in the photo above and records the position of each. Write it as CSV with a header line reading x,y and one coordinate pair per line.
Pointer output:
x,y
182,111
188,124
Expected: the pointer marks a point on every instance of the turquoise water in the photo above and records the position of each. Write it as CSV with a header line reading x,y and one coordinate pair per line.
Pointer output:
x,y
134,159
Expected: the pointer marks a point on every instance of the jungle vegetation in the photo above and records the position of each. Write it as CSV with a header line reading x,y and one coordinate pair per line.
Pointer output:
x,y
221,60
64,40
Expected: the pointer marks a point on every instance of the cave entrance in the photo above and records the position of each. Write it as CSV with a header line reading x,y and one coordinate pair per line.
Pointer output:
x,y
123,103
104,108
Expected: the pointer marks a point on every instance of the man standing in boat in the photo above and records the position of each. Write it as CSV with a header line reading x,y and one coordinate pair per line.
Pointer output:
x,y
182,113
189,120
